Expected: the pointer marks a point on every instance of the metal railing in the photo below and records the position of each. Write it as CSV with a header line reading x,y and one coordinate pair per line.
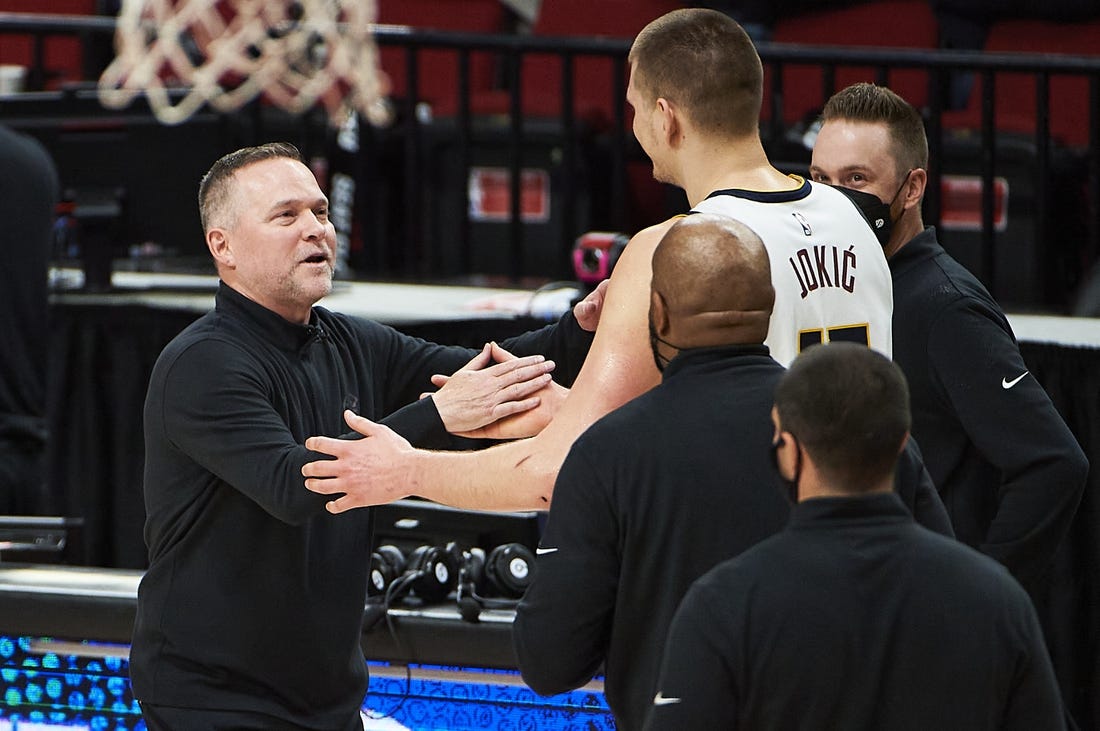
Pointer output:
x,y
511,130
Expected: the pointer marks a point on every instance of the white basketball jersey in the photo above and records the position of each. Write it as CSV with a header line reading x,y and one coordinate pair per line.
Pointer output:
x,y
830,274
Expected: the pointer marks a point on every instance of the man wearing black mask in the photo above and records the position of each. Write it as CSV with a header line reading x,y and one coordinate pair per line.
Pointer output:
x,y
1009,470
853,617
662,489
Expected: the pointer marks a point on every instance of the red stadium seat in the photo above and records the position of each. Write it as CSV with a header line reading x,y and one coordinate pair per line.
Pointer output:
x,y
593,77
1015,107
438,69
62,54
884,23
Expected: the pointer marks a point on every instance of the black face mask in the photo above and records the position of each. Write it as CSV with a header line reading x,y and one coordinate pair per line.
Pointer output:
x,y
875,210
658,359
790,487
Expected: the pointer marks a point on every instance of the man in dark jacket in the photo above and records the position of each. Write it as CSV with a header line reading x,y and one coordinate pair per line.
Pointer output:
x,y
853,617
1008,468
28,193
250,614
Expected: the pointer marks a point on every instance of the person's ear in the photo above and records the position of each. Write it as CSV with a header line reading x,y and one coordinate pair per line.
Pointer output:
x,y
658,313
904,441
669,120
914,188
218,244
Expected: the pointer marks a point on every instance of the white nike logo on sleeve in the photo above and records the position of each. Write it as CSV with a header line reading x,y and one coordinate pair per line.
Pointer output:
x,y
1007,384
540,551
660,700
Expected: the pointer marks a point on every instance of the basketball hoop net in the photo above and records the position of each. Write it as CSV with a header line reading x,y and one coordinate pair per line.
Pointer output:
x,y
225,53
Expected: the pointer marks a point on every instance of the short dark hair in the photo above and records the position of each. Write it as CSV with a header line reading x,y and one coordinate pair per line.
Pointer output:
x,y
849,408
864,102
703,61
214,208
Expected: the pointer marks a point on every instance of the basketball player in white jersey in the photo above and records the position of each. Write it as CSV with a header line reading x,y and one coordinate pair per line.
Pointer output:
x,y
829,272
696,86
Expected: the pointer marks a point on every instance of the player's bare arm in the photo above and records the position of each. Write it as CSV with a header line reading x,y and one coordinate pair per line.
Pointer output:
x,y
511,417
519,475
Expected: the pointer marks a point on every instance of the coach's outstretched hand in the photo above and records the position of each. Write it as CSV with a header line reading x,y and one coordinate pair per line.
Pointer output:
x,y
372,471
504,418
493,385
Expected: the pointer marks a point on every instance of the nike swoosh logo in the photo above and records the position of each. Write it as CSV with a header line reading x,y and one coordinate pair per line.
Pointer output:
x,y
540,551
1007,384
660,700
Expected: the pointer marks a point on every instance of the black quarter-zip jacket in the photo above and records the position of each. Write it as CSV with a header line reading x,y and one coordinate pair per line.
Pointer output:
x,y
1008,468
253,600
854,617
649,498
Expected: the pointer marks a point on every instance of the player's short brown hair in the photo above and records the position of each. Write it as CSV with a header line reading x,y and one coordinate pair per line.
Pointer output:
x,y
704,62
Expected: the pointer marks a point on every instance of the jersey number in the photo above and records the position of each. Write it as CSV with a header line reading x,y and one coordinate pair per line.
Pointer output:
x,y
841,333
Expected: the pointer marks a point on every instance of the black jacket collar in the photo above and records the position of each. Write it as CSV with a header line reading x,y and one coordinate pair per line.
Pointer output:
x,y
694,358
919,248
269,325
831,511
